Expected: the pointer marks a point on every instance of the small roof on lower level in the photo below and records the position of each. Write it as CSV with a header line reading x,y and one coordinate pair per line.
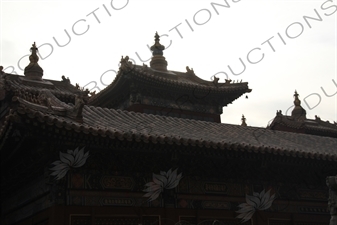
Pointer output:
x,y
298,122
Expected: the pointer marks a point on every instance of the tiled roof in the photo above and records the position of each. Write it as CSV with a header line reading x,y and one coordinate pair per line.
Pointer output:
x,y
131,126
61,89
171,79
308,124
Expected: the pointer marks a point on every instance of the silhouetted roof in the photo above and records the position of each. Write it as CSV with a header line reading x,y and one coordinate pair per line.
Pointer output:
x,y
131,126
316,126
169,81
298,122
20,85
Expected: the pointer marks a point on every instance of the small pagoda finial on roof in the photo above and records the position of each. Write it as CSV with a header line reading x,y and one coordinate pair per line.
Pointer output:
x,y
158,62
243,119
157,48
33,58
298,112
33,71
297,102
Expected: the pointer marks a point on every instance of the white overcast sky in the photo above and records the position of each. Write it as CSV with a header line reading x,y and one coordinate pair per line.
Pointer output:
x,y
220,37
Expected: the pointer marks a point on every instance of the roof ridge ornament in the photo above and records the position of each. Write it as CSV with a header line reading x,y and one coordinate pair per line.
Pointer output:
x,y
126,65
33,71
158,61
190,71
47,102
298,112
33,58
157,48
297,102
243,119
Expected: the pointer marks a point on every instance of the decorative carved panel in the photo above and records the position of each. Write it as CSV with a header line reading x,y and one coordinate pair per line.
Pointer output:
x,y
80,220
114,182
117,201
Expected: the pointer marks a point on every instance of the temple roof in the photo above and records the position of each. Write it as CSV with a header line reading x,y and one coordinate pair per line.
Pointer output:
x,y
31,84
131,126
298,122
60,104
172,80
143,83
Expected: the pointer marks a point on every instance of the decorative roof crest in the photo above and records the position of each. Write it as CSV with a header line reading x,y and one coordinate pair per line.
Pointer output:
x,y
33,58
298,112
158,61
157,48
33,71
126,64
189,71
243,119
297,102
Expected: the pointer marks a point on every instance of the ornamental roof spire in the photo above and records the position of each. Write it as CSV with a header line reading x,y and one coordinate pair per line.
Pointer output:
x,y
157,48
298,112
33,71
158,62
243,119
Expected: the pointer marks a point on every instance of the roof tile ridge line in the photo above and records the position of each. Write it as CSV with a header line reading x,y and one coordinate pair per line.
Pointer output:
x,y
321,128
106,89
48,102
55,120
144,73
